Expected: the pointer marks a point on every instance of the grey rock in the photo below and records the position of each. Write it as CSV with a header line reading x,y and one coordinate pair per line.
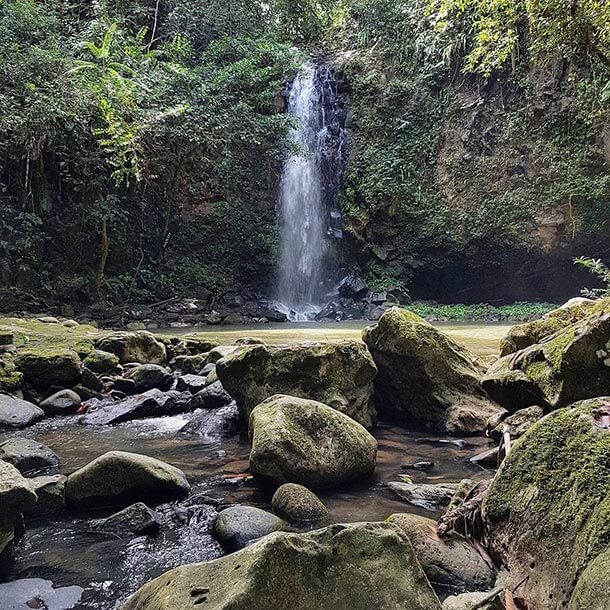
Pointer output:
x,y
61,403
213,396
299,506
28,456
149,376
135,519
38,593
425,495
16,413
191,383
51,492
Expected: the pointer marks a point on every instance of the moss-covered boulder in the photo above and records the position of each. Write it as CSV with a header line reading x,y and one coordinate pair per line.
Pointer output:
x,y
10,377
592,591
100,362
523,335
45,367
337,374
15,498
360,566
450,563
299,506
425,378
303,441
139,346
118,478
546,512
572,365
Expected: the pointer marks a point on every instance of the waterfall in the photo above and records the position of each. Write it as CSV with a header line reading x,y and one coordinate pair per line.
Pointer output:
x,y
310,222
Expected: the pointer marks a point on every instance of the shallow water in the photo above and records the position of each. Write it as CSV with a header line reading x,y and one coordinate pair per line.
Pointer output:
x,y
67,551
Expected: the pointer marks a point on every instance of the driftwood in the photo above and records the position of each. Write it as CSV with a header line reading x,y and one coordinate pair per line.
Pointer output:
x,y
465,517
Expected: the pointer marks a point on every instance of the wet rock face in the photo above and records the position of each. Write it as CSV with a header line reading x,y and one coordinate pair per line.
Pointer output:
x,y
425,378
238,526
38,593
135,519
358,566
302,441
450,563
339,375
153,403
140,346
16,413
28,456
16,497
119,478
572,365
546,511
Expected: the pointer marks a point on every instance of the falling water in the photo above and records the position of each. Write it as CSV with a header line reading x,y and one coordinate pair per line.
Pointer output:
x,y
309,219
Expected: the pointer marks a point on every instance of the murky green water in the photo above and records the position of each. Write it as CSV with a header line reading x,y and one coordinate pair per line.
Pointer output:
x,y
67,551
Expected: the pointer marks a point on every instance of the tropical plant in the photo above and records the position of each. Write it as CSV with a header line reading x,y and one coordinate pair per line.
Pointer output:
x,y
601,273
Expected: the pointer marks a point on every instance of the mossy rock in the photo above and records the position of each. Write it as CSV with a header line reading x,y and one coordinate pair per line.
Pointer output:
x,y
339,375
547,511
306,442
138,346
100,362
10,377
425,378
523,335
592,592
572,365
299,506
360,566
44,367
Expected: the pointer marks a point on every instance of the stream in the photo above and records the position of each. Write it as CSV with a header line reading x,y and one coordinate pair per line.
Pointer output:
x,y
66,549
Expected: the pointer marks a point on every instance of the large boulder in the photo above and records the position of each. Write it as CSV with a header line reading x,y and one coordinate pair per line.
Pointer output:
x,y
28,456
523,335
337,374
359,566
572,365
45,367
118,478
140,346
303,441
153,403
16,413
546,511
450,563
238,526
425,378
15,498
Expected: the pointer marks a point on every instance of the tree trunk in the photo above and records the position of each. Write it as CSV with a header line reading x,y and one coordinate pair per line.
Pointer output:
x,y
101,267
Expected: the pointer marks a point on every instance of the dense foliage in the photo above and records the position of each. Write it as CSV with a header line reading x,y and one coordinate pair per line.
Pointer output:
x,y
141,140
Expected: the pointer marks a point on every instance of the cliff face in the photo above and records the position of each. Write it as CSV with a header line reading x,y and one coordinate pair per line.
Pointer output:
x,y
464,189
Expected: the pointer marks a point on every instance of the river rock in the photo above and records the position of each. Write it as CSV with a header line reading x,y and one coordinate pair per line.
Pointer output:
x,y
238,526
16,497
188,365
546,511
426,495
120,478
28,456
483,600
135,519
16,413
523,335
49,366
139,346
150,376
51,492
62,402
299,506
213,396
191,383
592,591
337,374
425,378
38,593
574,364
450,563
101,363
223,422
153,403
359,566
303,441
518,423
